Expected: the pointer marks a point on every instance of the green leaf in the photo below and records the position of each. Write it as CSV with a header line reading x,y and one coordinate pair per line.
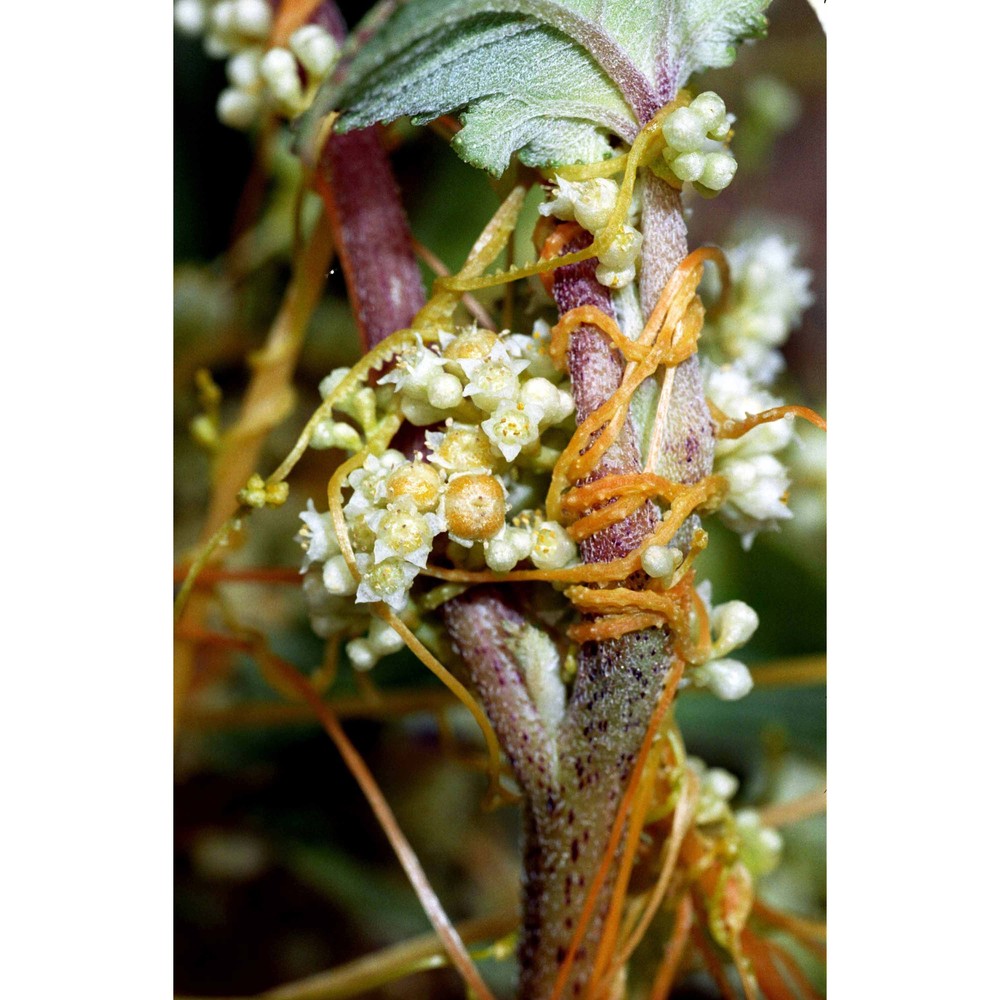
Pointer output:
x,y
549,79
702,34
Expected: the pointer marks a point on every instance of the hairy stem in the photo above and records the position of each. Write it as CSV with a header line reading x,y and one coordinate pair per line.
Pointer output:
x,y
372,235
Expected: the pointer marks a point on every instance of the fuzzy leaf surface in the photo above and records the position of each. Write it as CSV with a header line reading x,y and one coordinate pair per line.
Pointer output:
x,y
549,79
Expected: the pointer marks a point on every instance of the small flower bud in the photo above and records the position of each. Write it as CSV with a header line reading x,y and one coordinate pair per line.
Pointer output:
x,y
554,404
252,17
688,166
337,576
279,70
595,203
315,48
243,69
710,108
501,556
661,561
611,278
719,170
684,130
444,391
332,381
335,434
237,108
361,654
727,679
383,638
552,548
734,623
624,249
190,17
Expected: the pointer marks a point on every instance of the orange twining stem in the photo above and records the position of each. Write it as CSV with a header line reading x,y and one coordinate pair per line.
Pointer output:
x,y
621,599
557,240
605,517
671,335
689,498
704,643
644,484
291,14
613,626
590,316
335,499
730,427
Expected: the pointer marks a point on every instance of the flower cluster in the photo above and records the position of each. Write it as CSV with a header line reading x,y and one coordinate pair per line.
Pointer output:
x,y
767,296
484,383
590,203
758,480
481,390
260,76
695,143
757,846
732,624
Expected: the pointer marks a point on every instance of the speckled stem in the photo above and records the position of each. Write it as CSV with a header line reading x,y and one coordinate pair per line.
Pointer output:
x,y
689,446
574,783
618,681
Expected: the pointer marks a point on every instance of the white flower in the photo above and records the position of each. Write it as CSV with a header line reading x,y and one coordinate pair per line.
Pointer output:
x,y
506,549
513,426
461,448
731,389
534,349
589,202
315,48
415,367
388,581
318,537
551,546
715,788
694,148
767,298
555,404
403,532
494,381
732,625
369,481
756,499
760,846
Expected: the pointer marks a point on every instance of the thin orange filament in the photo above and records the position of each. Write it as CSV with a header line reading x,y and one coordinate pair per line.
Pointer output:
x,y
730,428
